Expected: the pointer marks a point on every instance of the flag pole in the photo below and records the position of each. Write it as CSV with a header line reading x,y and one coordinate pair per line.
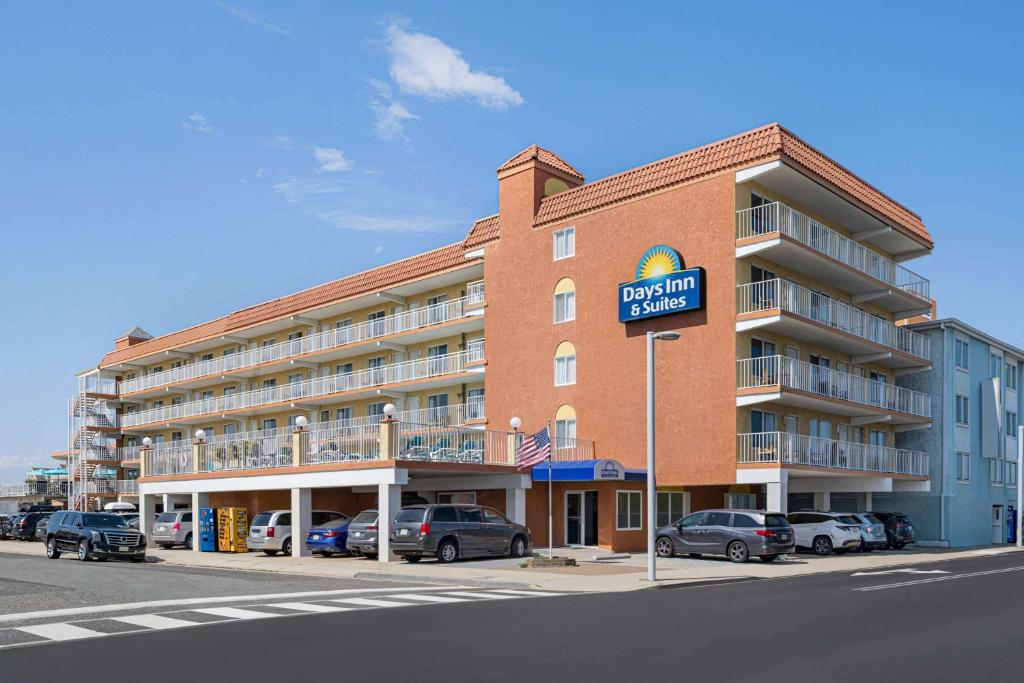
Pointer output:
x,y
551,552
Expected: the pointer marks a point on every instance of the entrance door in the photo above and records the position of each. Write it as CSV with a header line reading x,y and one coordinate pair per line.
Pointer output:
x,y
998,533
581,518
590,518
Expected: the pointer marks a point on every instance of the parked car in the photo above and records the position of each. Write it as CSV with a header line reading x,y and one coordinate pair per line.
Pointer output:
x,y
451,532
25,527
362,534
132,519
872,531
737,534
329,539
98,535
170,528
899,531
271,531
824,532
6,526
40,533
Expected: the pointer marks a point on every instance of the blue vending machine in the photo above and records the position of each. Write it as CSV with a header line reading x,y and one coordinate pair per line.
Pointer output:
x,y
208,530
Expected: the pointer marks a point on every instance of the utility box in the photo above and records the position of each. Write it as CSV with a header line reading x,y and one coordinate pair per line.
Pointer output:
x,y
208,530
232,530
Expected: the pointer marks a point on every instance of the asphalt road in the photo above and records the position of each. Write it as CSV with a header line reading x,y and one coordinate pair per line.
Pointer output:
x,y
962,625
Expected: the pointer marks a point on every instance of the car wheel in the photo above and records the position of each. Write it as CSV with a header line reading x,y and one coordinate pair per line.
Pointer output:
x,y
166,546
83,551
188,542
663,547
51,549
326,553
518,548
768,558
286,547
271,553
413,559
738,552
822,545
447,551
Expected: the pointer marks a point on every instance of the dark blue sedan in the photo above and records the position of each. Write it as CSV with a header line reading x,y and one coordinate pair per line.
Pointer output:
x,y
328,539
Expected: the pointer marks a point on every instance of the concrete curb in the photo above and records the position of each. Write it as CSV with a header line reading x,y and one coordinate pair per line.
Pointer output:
x,y
445,580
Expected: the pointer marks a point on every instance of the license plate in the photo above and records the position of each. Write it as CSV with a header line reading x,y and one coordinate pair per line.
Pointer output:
x,y
122,549
403,532
316,537
783,537
357,534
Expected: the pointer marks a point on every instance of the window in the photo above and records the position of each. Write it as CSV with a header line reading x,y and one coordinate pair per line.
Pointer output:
x,y
962,354
963,409
292,419
470,516
995,471
761,422
565,427
295,378
343,413
565,301
963,465
1011,473
628,506
158,404
741,501
744,521
718,519
176,436
475,404
177,400
375,409
493,517
672,506
696,519
565,243
230,428
207,395
995,366
206,357
1011,423
1011,376
565,364
325,416
269,424
156,369
175,364
343,369
442,515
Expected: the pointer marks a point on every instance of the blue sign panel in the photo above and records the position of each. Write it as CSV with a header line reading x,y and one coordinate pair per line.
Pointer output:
x,y
661,287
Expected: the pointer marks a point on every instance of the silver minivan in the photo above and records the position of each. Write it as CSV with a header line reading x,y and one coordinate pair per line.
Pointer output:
x,y
737,534
271,531
173,528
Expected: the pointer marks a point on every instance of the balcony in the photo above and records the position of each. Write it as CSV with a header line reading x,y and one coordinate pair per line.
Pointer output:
x,y
791,382
785,236
347,339
783,449
126,487
793,311
426,372
15,490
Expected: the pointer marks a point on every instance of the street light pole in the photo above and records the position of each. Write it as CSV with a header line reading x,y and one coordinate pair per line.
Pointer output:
x,y
1019,522
652,503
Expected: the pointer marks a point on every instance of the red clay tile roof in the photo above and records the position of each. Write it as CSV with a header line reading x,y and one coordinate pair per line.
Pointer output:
x,y
433,262
483,231
758,145
542,155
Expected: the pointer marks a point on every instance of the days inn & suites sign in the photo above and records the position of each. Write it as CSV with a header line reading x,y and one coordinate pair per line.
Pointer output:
x,y
661,287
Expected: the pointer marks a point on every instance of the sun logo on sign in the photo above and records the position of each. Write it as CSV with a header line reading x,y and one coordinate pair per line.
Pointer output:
x,y
659,260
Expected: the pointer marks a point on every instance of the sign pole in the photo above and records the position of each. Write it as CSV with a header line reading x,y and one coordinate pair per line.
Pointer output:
x,y
551,544
651,509
1020,492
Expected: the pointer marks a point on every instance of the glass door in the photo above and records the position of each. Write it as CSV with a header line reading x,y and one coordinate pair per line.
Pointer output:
x,y
574,518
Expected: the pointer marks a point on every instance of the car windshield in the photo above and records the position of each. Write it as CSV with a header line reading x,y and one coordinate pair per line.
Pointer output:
x,y
365,518
775,520
103,520
410,515
848,519
261,519
167,517
872,519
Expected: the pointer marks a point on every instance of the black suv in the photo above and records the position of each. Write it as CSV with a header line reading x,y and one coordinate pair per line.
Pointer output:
x,y
93,534
25,528
898,529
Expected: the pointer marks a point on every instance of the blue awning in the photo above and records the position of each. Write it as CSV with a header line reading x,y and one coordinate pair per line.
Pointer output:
x,y
587,470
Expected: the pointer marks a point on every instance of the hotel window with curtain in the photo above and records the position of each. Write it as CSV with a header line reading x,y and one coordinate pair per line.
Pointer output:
x,y
565,427
565,243
672,506
565,364
565,300
628,510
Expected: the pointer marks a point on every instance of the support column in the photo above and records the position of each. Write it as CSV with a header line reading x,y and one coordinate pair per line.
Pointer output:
x,y
302,520
777,495
822,500
167,502
515,505
389,502
868,502
389,440
146,508
199,500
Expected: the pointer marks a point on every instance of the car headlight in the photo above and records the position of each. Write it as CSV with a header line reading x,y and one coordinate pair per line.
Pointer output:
x,y
96,536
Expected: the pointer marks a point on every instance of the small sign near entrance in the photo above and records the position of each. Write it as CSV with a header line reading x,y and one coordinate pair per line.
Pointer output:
x,y
661,287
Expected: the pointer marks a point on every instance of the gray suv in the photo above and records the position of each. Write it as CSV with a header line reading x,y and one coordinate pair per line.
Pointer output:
x,y
173,528
737,534
451,532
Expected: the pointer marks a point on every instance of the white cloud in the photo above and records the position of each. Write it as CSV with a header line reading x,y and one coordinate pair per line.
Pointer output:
x,y
197,122
260,172
298,190
424,65
391,118
388,224
331,160
250,19
379,249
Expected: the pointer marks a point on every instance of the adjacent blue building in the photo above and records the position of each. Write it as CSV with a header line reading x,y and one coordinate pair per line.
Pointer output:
x,y
976,404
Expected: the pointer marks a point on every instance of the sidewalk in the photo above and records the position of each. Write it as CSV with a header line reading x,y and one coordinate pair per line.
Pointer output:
x,y
624,574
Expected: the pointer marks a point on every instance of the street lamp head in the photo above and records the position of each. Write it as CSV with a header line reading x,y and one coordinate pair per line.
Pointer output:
x,y
515,423
668,335
389,411
200,434
146,441
301,422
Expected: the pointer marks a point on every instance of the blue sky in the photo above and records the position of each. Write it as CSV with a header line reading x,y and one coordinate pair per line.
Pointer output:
x,y
163,164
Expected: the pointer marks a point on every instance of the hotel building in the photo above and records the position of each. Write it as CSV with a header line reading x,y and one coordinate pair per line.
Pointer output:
x,y
781,391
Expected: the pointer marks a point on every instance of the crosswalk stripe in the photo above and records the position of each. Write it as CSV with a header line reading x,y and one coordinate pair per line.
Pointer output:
x,y
429,598
370,602
234,613
534,594
482,596
308,607
60,631
153,621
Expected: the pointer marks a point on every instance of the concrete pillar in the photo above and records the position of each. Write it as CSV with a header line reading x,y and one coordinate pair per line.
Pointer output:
x,y
389,440
197,455
199,500
300,442
389,502
868,502
146,510
515,505
822,500
143,456
302,520
168,506
777,495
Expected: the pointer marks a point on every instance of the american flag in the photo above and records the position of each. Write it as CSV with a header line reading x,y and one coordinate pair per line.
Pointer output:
x,y
535,449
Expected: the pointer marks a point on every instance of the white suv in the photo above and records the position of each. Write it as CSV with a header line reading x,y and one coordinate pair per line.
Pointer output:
x,y
824,532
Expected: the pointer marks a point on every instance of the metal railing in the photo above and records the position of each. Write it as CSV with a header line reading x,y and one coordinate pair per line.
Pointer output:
x,y
424,368
406,321
792,298
13,490
167,458
98,385
566,449
475,292
787,372
126,486
333,443
797,449
431,443
777,217
262,450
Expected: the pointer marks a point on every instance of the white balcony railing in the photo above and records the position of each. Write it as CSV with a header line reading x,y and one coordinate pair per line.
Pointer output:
x,y
797,449
14,490
789,297
796,374
406,321
475,292
126,486
777,217
425,368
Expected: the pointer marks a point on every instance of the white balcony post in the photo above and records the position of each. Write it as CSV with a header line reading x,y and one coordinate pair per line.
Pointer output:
x,y
389,502
302,520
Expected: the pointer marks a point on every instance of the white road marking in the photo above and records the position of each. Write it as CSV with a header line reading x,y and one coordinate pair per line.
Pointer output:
x,y
182,602
235,613
936,579
532,594
370,602
902,571
155,621
481,596
308,607
430,598
60,631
